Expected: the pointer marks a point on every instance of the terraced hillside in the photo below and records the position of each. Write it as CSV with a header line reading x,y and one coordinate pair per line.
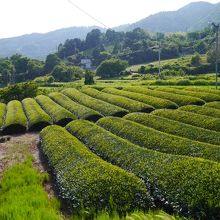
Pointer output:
x,y
127,149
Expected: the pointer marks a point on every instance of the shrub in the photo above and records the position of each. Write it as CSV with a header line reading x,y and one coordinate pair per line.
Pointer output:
x,y
86,181
178,99
80,111
102,107
185,184
155,102
159,141
123,102
206,90
202,95
37,117
111,68
175,127
202,110
213,105
18,91
183,82
89,78
198,120
2,113
15,119
59,114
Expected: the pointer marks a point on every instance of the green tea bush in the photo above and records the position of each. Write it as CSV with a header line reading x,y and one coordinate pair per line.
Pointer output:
x,y
207,90
59,114
2,113
15,119
202,110
80,111
37,117
175,127
100,106
156,140
178,99
215,105
202,95
153,101
86,181
185,184
198,120
123,102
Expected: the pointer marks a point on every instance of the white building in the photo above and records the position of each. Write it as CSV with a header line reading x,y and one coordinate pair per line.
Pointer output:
x,y
86,63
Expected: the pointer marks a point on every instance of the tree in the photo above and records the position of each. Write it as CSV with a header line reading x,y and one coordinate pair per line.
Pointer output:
x,y
93,38
6,71
195,60
63,73
111,68
89,80
51,61
35,68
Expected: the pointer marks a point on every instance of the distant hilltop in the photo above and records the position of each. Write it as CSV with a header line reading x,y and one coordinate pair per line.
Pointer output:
x,y
193,16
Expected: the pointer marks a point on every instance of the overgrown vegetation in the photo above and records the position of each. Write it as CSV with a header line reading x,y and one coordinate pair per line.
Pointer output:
x,y
22,195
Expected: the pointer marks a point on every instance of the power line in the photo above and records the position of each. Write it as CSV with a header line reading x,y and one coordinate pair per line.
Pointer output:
x,y
88,14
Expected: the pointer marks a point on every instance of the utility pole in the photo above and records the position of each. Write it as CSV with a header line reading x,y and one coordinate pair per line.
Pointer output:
x,y
216,29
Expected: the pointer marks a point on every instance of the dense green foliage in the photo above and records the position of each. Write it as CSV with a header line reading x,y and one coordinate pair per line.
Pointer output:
x,y
2,113
89,78
18,91
80,111
15,119
153,101
213,105
51,61
64,73
37,117
203,89
175,127
123,102
178,99
183,183
111,68
85,180
22,195
202,95
100,106
58,114
159,141
202,110
198,120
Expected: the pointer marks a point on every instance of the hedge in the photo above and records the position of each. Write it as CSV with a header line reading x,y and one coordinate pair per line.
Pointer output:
x,y
15,119
37,117
86,181
207,90
156,140
197,120
178,99
213,105
202,110
208,97
184,184
123,102
100,106
2,113
80,111
60,115
153,101
175,127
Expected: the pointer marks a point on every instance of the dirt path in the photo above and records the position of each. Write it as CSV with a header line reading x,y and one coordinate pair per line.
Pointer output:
x,y
17,149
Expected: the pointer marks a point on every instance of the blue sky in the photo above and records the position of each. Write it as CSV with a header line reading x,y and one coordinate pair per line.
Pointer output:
x,y
27,16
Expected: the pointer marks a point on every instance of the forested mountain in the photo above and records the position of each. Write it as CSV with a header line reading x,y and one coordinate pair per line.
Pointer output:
x,y
193,16
40,45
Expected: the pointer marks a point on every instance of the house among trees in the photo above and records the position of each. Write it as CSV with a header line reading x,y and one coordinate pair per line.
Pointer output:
x,y
86,64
